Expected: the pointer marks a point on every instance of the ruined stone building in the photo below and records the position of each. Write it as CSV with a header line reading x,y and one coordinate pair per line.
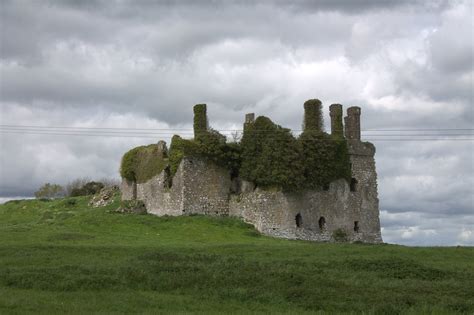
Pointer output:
x,y
344,209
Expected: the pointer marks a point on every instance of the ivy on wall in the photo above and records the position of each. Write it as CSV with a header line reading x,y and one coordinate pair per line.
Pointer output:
x,y
271,156
200,123
268,154
142,163
313,118
325,159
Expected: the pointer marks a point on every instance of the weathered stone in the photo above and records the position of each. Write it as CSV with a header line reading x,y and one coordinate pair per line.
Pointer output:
x,y
352,122
104,197
162,149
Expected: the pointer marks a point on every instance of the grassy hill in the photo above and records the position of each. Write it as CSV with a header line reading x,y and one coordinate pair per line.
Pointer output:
x,y
64,257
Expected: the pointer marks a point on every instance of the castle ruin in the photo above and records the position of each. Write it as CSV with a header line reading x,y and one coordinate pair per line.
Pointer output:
x,y
344,209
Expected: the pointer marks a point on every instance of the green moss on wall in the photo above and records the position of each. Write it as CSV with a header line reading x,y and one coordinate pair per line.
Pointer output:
x,y
142,163
313,118
337,128
200,120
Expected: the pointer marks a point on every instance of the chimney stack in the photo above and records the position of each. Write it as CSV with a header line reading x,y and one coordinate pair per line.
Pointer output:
x,y
337,129
352,123
200,120
249,119
313,120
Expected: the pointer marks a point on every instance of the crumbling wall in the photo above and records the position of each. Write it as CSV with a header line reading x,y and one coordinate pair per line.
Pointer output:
x,y
274,213
207,187
198,187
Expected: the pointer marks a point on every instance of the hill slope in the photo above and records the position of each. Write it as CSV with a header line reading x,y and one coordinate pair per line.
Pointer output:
x,y
64,257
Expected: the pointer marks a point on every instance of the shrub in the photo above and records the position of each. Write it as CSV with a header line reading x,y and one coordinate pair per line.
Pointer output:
x,y
132,206
49,191
70,202
91,188
339,235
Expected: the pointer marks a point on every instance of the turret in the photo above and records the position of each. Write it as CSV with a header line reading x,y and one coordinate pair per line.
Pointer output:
x,y
352,123
337,129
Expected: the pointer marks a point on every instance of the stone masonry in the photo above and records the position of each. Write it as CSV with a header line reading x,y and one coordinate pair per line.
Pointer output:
x,y
201,187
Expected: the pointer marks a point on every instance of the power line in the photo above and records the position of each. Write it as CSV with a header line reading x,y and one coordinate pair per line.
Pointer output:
x,y
191,129
146,135
190,133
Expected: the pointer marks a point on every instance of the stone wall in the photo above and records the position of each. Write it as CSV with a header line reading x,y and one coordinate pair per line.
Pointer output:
x,y
320,213
207,187
201,187
198,187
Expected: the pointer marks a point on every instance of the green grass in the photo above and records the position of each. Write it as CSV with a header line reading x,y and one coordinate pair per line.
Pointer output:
x,y
65,257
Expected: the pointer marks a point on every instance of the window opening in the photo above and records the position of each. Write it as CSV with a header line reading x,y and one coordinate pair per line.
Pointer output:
x,y
353,184
322,223
299,220
356,226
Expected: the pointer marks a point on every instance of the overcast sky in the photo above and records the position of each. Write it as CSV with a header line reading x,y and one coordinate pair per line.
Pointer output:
x,y
144,64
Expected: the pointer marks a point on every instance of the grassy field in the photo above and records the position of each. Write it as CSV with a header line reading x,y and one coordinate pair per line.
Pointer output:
x,y
64,257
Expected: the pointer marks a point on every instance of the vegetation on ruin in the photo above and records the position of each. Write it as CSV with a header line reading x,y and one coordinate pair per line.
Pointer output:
x,y
325,159
313,116
268,154
271,156
62,256
200,122
142,163
338,131
210,145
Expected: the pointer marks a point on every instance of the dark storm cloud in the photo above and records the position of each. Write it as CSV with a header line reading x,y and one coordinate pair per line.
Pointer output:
x,y
143,64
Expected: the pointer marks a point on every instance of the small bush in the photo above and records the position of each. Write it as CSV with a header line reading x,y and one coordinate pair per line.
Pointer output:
x,y
70,202
48,191
132,206
91,188
340,235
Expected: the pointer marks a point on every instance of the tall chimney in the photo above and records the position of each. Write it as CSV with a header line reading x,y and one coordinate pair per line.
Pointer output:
x,y
337,129
200,120
313,120
352,122
249,119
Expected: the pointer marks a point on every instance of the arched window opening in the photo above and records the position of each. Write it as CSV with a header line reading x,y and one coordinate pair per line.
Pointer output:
x,y
299,220
356,226
322,223
353,184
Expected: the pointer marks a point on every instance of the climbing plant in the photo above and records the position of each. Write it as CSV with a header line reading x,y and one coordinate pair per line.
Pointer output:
x,y
313,118
268,155
324,158
200,120
142,163
271,156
